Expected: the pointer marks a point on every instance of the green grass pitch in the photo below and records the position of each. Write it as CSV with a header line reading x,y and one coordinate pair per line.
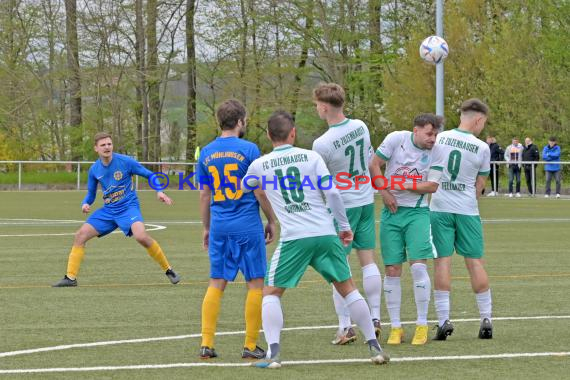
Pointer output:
x,y
123,295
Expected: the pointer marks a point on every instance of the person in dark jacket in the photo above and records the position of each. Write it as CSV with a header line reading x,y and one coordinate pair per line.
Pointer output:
x,y
496,155
551,153
530,153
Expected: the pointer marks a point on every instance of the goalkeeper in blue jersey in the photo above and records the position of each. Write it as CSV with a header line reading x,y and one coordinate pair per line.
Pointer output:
x,y
121,208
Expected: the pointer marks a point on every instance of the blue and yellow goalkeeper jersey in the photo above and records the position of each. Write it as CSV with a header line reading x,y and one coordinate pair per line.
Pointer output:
x,y
222,165
116,182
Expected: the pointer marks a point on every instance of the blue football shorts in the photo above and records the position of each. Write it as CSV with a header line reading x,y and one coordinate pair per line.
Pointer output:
x,y
105,221
230,252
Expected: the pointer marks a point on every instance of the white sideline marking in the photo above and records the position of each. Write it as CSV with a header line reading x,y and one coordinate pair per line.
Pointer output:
x,y
490,221
19,221
40,222
292,362
177,337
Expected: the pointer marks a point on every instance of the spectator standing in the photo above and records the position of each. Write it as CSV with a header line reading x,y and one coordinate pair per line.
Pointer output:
x,y
551,153
530,153
513,155
496,155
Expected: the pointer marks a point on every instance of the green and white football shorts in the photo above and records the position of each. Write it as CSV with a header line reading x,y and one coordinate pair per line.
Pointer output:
x,y
406,235
456,232
291,259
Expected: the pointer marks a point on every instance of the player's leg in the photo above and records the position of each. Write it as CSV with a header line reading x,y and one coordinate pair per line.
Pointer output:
x,y
272,319
100,223
420,248
557,177
441,295
211,305
393,255
138,231
469,244
345,334
329,261
365,244
253,306
82,236
443,235
372,284
284,270
221,272
249,250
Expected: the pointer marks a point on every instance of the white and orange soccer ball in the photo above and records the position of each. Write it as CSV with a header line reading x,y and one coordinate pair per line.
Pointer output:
x,y
434,50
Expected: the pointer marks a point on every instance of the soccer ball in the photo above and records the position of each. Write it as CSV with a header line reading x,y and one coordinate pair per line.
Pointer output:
x,y
434,49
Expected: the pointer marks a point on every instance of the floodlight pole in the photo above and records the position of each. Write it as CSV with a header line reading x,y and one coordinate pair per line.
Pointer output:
x,y
439,66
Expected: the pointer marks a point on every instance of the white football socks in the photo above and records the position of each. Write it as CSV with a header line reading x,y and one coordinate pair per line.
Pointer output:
x,y
485,304
422,291
372,283
442,305
393,294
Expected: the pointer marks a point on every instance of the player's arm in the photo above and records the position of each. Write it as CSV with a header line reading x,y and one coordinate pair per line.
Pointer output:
x,y
480,185
334,201
483,173
138,169
378,182
427,187
336,205
91,192
205,199
270,227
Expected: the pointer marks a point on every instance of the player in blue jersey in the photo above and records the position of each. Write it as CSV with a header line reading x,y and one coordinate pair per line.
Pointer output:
x,y
121,208
233,232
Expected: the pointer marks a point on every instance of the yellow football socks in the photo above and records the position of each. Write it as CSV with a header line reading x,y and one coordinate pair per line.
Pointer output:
x,y
156,253
210,311
74,261
252,317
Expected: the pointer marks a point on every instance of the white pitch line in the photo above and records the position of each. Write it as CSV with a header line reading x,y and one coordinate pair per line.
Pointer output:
x,y
15,221
153,227
292,362
489,221
224,333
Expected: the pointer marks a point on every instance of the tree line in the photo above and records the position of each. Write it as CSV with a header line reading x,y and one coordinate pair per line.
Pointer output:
x,y
152,72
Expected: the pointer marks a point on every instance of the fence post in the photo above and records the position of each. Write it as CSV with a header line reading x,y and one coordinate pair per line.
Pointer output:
x,y
19,175
78,175
495,176
532,177
194,176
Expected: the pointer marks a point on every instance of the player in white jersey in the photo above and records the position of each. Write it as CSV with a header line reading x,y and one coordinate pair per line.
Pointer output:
x,y
405,222
455,222
346,150
295,181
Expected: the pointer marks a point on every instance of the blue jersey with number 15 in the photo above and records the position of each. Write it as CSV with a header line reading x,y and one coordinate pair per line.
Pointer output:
x,y
223,163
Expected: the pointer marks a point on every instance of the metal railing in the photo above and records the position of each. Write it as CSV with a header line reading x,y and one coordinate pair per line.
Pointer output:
x,y
169,167
165,167
533,166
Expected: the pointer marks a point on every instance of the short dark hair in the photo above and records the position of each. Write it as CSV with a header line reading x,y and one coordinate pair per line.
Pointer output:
x,y
440,120
552,138
474,105
424,119
279,125
229,113
100,136
330,93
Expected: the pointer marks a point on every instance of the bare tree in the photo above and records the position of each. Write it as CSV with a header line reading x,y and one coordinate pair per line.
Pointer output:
x,y
191,80
153,81
141,108
74,78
